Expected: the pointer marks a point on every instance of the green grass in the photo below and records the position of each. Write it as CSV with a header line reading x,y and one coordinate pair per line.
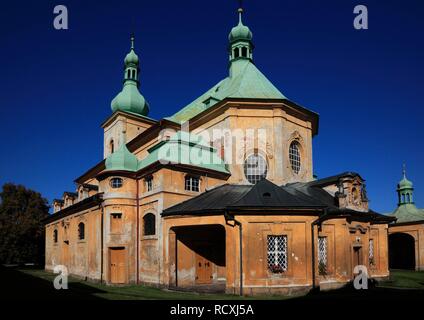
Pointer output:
x,y
404,279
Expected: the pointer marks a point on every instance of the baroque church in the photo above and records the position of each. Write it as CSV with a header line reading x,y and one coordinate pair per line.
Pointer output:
x,y
248,218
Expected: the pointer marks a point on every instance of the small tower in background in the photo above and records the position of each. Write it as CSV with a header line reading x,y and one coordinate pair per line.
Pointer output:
x,y
405,190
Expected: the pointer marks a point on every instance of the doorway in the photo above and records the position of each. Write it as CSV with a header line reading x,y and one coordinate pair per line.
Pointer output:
x,y
204,269
117,265
401,251
357,256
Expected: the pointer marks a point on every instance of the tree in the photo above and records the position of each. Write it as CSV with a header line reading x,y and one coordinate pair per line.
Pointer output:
x,y
22,212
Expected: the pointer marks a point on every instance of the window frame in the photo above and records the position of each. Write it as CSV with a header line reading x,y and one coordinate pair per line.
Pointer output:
x,y
278,270
81,231
111,182
322,244
295,158
191,186
148,183
152,228
55,236
264,174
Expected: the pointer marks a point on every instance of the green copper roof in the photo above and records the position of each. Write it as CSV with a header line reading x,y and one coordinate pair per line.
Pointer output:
x,y
122,159
184,148
408,212
130,98
245,81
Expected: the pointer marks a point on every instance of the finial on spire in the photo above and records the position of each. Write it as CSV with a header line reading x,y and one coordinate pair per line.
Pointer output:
x,y
132,40
240,10
404,170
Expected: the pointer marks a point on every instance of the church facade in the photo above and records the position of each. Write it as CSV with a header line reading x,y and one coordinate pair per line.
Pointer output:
x,y
219,196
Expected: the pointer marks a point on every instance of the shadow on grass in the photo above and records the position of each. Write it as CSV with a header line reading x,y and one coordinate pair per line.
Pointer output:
x,y
374,293
16,285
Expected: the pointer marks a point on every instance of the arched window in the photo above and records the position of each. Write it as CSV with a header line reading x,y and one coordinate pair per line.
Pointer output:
x,y
81,231
149,222
294,156
111,146
55,236
236,52
128,73
244,52
407,198
255,168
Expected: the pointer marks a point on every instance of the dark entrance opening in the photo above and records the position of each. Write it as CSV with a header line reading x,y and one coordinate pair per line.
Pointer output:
x,y
401,251
200,258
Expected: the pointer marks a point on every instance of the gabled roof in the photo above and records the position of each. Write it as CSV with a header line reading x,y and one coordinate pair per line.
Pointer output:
x,y
245,81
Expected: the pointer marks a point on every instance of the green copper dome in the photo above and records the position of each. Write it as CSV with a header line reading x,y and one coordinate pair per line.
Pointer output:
x,y
130,98
405,184
240,32
122,159
131,58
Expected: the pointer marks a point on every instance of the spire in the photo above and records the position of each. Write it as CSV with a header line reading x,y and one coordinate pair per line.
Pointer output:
x,y
405,189
240,11
240,38
404,170
132,41
130,99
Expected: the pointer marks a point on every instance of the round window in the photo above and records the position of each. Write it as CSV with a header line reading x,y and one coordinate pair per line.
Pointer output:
x,y
116,183
294,156
255,168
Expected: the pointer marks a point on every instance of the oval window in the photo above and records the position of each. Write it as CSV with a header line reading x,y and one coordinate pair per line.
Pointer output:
x,y
255,168
116,183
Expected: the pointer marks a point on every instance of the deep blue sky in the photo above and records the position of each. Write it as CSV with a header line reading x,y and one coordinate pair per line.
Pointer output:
x,y
367,86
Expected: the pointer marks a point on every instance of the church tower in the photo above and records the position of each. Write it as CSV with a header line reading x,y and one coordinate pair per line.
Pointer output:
x,y
129,107
405,190
240,37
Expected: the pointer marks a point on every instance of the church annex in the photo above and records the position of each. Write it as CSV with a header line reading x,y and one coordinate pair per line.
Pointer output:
x,y
168,207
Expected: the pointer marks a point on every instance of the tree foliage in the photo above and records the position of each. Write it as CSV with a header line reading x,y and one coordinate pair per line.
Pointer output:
x,y
21,224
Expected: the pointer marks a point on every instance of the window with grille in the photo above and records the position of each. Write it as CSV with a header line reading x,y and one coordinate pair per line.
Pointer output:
x,y
294,156
277,254
371,252
322,254
255,168
192,183
149,184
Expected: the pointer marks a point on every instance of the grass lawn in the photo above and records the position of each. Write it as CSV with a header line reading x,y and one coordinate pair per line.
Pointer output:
x,y
405,279
37,284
